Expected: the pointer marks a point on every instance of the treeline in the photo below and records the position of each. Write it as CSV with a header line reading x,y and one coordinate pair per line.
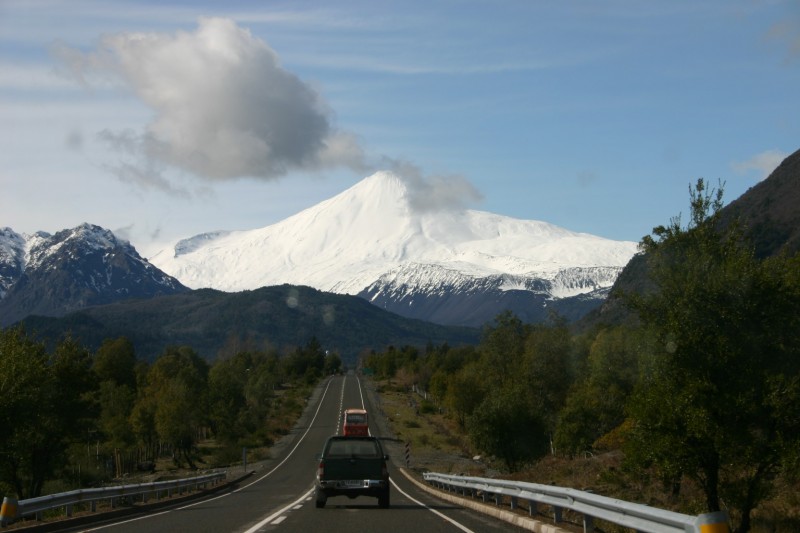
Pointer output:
x,y
73,418
704,387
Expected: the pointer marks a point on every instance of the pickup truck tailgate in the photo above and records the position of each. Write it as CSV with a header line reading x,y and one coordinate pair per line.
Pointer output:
x,y
352,468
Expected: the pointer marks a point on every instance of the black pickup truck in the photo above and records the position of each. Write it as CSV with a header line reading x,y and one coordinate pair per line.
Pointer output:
x,y
352,466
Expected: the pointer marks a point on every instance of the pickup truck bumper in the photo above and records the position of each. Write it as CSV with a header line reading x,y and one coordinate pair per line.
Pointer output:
x,y
353,484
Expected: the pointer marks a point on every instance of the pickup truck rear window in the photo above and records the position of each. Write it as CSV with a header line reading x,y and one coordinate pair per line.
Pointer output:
x,y
351,447
356,418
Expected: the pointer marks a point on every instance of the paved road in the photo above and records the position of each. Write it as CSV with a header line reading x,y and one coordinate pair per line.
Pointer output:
x,y
280,496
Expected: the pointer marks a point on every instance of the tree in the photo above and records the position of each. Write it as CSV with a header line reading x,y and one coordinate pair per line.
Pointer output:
x,y
506,426
23,387
307,362
174,402
595,404
116,405
548,369
44,406
465,391
241,389
719,401
333,363
73,408
115,361
502,349
115,367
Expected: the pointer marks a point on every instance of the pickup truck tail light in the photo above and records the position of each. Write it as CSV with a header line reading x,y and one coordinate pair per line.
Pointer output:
x,y
385,471
321,470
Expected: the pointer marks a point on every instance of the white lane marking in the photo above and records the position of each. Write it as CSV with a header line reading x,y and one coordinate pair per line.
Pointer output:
x,y
279,520
278,513
341,408
363,405
434,511
124,522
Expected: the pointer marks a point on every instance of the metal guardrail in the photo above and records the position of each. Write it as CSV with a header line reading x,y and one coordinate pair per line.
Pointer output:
x,y
67,500
636,516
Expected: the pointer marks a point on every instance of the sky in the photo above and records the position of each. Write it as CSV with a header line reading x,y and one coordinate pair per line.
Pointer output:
x,y
166,119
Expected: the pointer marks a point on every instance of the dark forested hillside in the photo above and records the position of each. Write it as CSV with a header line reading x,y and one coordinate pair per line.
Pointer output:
x,y
769,216
278,317
770,211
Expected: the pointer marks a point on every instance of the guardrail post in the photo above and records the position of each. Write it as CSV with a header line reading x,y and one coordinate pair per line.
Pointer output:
x,y
68,510
532,508
556,514
513,504
588,524
93,506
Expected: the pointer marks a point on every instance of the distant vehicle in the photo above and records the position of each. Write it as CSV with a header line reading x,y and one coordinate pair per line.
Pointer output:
x,y
352,467
355,423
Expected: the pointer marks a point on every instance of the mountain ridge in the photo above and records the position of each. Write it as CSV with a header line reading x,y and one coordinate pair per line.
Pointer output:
x,y
75,268
218,324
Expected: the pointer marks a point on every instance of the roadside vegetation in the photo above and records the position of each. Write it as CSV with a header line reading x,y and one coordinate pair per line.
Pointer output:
x,y
695,407
73,419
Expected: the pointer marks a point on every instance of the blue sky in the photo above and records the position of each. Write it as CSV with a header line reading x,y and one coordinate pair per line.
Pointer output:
x,y
162,120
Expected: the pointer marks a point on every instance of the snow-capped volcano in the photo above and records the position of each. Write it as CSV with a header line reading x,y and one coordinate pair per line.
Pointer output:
x,y
370,240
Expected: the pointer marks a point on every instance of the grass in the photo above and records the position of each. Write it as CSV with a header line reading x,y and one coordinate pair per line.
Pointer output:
x,y
437,444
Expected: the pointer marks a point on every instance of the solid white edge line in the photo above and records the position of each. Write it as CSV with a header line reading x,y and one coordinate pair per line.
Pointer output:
x,y
434,511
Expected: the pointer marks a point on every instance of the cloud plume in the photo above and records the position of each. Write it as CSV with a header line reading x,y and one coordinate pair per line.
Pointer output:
x,y
223,105
763,163
431,193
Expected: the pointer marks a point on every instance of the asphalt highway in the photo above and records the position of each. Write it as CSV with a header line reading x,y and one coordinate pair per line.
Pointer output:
x,y
279,497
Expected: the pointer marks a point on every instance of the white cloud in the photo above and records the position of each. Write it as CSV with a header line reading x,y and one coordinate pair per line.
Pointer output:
x,y
435,192
31,77
223,105
763,163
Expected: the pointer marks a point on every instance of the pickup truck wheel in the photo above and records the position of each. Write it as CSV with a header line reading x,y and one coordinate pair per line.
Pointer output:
x,y
320,499
383,499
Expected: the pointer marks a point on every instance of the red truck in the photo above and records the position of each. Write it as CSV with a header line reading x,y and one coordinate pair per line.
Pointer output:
x,y
355,423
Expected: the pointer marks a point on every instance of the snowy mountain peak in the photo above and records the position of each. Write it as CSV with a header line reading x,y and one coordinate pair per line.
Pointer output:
x,y
355,239
86,265
381,187
82,238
